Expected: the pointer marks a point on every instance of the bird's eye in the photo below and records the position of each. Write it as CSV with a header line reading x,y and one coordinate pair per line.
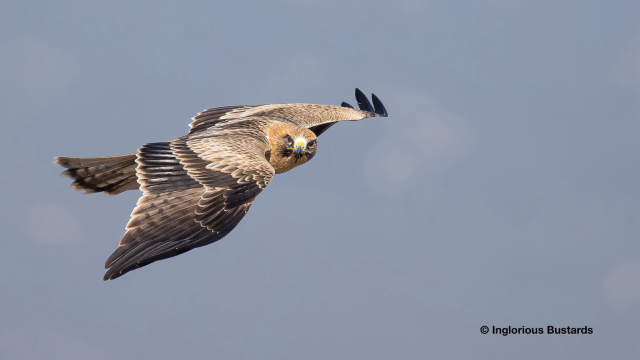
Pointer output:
x,y
288,141
311,144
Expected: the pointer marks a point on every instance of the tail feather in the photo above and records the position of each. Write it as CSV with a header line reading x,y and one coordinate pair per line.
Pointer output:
x,y
112,174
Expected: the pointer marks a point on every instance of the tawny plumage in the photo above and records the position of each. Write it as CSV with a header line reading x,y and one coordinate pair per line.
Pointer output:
x,y
197,188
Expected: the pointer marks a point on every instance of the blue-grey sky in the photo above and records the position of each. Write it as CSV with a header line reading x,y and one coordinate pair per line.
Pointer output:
x,y
501,191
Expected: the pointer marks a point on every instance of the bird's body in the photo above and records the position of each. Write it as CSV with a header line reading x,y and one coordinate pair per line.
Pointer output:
x,y
198,187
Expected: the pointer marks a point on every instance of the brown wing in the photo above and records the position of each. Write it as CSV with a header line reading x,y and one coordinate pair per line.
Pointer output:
x,y
210,117
195,192
317,118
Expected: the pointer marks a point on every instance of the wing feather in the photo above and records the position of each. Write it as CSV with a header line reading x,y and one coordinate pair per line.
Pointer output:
x,y
195,192
211,117
317,118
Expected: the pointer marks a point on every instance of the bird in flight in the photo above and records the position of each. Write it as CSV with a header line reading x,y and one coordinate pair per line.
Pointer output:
x,y
197,188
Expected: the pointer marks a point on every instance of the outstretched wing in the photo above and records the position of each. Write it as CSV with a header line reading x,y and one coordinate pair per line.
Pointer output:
x,y
195,192
317,118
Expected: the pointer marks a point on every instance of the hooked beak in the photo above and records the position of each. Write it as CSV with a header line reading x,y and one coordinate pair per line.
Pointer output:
x,y
299,149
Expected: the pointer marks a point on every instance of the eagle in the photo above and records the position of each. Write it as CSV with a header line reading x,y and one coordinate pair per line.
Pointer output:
x,y
197,188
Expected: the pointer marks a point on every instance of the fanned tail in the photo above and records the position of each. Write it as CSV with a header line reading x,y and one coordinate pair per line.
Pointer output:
x,y
111,175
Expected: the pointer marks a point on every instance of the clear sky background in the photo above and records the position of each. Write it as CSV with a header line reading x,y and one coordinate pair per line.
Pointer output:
x,y
503,189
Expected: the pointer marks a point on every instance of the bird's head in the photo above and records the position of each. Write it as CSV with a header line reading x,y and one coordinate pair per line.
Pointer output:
x,y
290,146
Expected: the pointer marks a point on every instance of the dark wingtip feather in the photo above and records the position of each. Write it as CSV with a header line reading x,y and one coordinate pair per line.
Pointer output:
x,y
379,108
363,102
347,105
